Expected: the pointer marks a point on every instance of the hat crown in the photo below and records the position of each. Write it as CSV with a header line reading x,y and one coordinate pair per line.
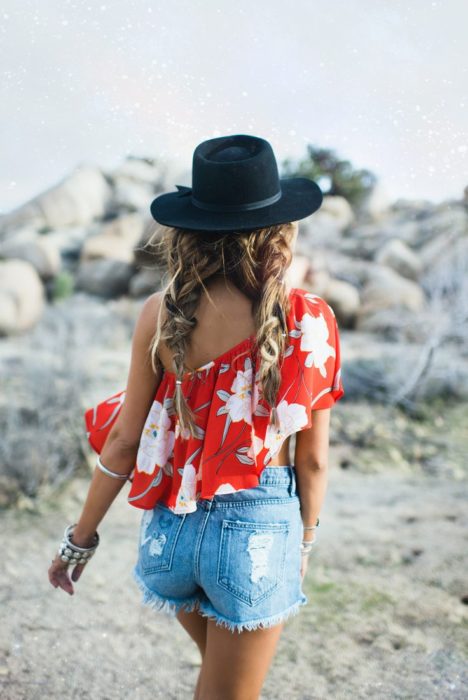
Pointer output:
x,y
234,171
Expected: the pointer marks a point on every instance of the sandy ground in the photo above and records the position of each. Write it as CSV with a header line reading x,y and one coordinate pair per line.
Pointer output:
x,y
387,616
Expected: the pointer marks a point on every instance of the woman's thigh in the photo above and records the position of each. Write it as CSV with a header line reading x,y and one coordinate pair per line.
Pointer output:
x,y
235,664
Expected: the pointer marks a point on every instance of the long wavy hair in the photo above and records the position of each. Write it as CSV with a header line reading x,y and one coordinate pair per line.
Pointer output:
x,y
253,261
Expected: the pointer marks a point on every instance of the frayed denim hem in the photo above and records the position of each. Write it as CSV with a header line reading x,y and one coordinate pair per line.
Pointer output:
x,y
207,610
168,606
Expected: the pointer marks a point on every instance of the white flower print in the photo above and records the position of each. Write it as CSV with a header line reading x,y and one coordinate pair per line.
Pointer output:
x,y
186,496
314,341
292,417
239,404
225,488
256,446
157,440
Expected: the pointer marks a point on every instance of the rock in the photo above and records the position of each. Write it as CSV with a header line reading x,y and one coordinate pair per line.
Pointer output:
x,y
444,250
298,270
78,199
344,300
356,272
377,204
136,183
22,296
68,241
136,169
338,209
326,225
389,303
317,275
116,240
132,196
145,282
386,288
362,241
38,250
397,255
105,277
449,222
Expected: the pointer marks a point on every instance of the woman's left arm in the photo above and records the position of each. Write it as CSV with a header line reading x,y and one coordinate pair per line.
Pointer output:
x,y
121,446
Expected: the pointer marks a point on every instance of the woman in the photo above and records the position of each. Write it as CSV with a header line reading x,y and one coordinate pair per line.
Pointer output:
x,y
228,361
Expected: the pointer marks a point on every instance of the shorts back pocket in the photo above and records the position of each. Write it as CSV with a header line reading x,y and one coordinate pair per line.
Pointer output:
x,y
252,558
160,529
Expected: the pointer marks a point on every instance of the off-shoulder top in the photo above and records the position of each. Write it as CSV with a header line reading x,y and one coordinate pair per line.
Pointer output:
x,y
234,440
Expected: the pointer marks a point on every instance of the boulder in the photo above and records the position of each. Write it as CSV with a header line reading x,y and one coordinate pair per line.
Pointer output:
x,y
298,270
134,169
116,240
397,255
344,300
106,278
338,210
132,196
38,250
317,275
386,288
145,282
377,203
78,199
388,300
22,296
326,225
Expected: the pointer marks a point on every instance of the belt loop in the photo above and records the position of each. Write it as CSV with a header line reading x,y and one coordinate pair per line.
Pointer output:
x,y
292,482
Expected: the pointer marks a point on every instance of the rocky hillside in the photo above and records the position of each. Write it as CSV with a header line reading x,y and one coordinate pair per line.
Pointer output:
x,y
74,272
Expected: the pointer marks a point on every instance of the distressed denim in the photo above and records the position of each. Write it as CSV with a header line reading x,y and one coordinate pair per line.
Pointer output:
x,y
236,558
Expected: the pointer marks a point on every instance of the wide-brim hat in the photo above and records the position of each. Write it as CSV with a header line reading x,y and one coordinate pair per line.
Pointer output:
x,y
236,187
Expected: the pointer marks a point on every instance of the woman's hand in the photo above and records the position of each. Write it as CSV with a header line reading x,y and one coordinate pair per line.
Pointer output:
x,y
58,570
58,574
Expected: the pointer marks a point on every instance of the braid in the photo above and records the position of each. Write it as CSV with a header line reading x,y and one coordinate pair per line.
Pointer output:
x,y
270,316
255,262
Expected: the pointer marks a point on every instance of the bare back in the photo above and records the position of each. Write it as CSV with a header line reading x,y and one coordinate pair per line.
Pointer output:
x,y
224,320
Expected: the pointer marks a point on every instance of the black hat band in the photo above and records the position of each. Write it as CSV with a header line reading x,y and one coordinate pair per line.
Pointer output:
x,y
246,206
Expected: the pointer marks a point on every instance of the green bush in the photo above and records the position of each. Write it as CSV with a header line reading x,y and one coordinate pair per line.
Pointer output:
x,y
63,286
335,176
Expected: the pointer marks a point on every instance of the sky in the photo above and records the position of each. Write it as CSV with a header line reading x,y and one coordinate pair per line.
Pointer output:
x,y
381,82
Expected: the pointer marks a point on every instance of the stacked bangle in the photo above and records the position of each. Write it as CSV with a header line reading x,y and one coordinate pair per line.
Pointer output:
x,y
306,545
71,553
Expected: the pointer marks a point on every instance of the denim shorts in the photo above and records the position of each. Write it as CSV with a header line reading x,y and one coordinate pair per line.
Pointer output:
x,y
236,558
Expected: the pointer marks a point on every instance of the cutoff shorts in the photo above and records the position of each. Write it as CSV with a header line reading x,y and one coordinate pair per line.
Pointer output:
x,y
236,558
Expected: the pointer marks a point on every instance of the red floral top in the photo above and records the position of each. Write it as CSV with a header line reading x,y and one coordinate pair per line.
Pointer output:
x,y
235,441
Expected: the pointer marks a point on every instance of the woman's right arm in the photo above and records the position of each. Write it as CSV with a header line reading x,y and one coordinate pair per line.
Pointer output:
x,y
311,467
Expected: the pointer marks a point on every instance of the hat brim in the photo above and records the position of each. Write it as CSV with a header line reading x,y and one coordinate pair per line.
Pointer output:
x,y
300,197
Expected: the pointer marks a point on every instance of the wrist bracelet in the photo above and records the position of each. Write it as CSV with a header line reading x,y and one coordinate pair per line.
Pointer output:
x,y
311,527
306,546
71,552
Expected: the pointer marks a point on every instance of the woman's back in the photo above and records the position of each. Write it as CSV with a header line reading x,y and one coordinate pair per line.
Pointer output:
x,y
224,319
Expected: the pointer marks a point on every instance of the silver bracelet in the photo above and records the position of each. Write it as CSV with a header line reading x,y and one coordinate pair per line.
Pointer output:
x,y
107,471
71,553
312,527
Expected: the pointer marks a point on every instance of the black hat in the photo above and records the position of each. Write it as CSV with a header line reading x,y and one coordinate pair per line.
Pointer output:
x,y
236,186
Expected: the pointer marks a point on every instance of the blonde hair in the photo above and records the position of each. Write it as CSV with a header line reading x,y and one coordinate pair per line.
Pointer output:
x,y
255,262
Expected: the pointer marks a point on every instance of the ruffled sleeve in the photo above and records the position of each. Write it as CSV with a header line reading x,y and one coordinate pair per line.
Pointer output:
x,y
334,389
100,419
312,369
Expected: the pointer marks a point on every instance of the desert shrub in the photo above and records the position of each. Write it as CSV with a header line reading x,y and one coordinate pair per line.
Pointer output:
x,y
335,175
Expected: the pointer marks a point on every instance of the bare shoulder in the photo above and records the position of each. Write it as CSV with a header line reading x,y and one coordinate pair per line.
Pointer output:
x,y
149,311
